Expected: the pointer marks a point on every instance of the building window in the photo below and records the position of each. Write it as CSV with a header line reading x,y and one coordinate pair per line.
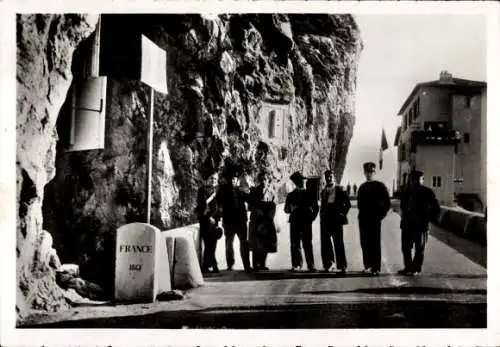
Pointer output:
x,y
468,100
418,108
445,101
466,138
415,110
436,181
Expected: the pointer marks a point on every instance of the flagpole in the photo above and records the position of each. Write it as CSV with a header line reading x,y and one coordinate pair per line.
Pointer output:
x,y
150,155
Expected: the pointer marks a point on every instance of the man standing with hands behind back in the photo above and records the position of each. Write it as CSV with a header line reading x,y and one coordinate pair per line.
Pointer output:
x,y
419,206
333,216
303,209
373,204
234,217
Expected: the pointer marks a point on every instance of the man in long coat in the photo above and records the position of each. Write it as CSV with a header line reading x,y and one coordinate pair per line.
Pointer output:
x,y
208,211
419,207
335,205
373,204
262,230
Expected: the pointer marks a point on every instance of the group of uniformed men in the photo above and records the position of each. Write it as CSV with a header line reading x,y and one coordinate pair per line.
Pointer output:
x,y
229,202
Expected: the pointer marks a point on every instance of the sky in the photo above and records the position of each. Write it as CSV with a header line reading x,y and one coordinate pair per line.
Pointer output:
x,y
399,52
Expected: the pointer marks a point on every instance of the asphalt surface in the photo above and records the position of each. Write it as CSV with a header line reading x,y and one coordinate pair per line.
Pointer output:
x,y
450,292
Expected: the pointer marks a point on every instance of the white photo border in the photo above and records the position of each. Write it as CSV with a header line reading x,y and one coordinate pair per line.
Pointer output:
x,y
132,337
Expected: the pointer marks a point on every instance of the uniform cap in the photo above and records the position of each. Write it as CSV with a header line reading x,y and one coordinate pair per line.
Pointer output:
x,y
369,166
297,176
415,175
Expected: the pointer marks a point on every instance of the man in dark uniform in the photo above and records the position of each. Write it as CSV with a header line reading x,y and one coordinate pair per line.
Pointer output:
x,y
303,209
419,206
373,204
333,215
234,218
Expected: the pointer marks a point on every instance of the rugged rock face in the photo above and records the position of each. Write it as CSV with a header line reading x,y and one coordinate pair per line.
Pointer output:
x,y
45,45
220,71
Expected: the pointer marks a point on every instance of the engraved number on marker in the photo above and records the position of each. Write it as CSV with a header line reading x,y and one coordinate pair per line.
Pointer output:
x,y
135,267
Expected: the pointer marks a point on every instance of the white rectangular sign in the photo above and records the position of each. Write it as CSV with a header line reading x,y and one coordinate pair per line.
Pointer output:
x,y
153,65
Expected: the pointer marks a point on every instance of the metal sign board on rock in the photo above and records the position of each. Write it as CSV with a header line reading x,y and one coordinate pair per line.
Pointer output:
x,y
138,263
153,65
88,110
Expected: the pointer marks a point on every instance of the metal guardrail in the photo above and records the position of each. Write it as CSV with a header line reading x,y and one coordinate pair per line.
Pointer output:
x,y
460,210
470,225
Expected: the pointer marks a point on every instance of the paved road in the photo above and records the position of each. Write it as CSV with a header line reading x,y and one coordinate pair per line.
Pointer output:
x,y
451,292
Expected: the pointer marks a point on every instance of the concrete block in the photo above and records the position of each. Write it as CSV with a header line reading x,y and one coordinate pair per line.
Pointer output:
x,y
456,221
184,262
443,215
468,224
476,229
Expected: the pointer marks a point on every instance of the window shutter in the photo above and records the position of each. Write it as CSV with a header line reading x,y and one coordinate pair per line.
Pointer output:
x,y
88,114
466,138
284,118
272,124
279,124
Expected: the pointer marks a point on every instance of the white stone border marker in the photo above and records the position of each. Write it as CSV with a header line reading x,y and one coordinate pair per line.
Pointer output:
x,y
137,262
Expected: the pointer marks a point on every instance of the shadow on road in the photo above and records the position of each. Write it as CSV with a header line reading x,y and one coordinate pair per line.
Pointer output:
x,y
240,276
404,291
472,250
278,275
396,314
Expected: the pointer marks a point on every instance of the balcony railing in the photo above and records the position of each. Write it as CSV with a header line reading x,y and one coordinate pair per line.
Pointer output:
x,y
437,137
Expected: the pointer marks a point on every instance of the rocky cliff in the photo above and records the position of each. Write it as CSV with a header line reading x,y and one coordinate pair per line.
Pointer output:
x,y
221,70
45,45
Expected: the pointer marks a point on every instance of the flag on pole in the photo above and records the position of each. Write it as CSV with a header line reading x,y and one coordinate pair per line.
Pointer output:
x,y
383,146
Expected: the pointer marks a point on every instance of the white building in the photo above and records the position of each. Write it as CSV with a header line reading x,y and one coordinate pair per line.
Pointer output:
x,y
443,134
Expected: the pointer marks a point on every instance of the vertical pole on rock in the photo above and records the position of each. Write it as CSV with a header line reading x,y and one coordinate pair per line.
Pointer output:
x,y
150,155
